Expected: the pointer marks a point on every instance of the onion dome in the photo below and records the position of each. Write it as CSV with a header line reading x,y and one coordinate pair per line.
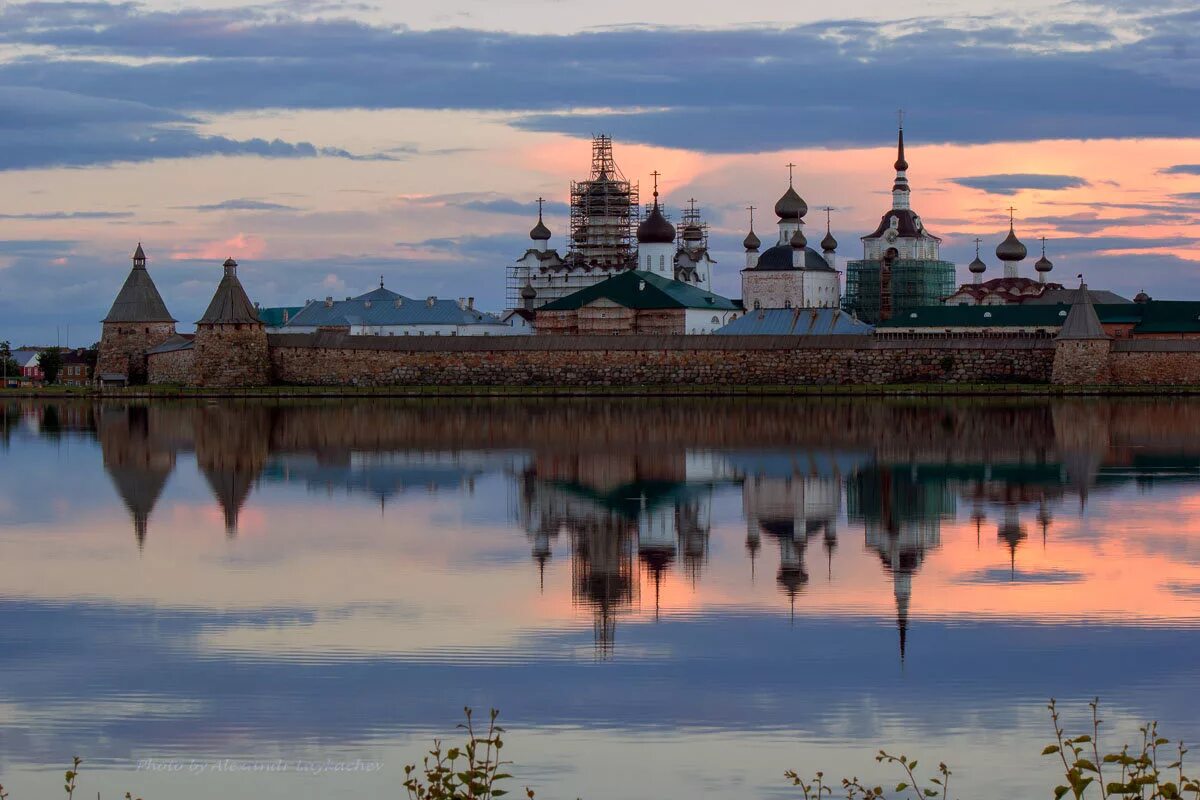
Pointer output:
x,y
1043,264
528,292
1141,297
655,229
791,206
829,244
540,232
977,266
751,241
798,240
1011,248
692,233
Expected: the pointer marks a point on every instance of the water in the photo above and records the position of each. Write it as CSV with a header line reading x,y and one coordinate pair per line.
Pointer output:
x,y
665,598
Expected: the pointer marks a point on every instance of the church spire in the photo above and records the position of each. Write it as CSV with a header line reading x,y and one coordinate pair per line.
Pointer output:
x,y
900,188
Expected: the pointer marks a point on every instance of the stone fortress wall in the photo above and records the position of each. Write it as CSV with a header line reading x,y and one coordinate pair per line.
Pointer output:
x,y
338,359
333,359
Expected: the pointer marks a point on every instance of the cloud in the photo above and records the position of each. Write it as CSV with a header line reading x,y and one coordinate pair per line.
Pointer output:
x,y
54,215
1012,183
972,80
514,207
1005,575
239,246
242,204
49,128
1181,169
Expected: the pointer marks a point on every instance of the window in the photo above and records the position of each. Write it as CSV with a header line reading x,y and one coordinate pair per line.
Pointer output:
x,y
662,261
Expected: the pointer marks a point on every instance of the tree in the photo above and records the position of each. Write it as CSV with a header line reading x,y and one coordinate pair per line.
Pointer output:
x,y
8,364
50,360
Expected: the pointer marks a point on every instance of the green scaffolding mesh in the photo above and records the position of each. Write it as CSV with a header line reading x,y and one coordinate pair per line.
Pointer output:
x,y
914,283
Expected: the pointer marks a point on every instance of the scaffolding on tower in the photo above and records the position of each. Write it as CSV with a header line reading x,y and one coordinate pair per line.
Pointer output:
x,y
604,214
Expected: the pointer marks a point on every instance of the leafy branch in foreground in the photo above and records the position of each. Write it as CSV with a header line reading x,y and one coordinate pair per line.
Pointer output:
x,y
470,772
1133,775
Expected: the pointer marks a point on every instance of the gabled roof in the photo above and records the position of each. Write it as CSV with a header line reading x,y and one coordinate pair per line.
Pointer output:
x,y
795,322
642,290
230,303
138,300
1082,322
180,341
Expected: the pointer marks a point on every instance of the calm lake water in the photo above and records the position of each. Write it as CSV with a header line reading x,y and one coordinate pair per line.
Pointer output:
x,y
665,598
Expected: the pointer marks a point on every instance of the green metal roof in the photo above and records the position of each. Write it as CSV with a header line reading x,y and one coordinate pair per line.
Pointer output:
x,y
1007,316
1156,316
273,317
1169,316
643,290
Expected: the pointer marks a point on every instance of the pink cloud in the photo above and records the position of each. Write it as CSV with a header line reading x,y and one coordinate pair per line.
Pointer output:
x,y
240,246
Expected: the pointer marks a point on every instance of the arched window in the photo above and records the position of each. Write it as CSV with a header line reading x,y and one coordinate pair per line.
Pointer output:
x,y
662,261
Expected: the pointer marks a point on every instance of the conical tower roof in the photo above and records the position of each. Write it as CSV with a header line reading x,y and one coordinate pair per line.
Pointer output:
x,y
230,303
139,300
1081,321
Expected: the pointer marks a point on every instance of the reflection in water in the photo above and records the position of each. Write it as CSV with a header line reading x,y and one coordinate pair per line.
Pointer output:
x,y
633,515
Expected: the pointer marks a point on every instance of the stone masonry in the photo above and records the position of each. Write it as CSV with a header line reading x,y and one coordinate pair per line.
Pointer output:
x,y
123,347
339,360
230,355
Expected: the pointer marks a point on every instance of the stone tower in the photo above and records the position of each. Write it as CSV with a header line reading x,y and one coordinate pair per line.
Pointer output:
x,y
1081,348
231,340
137,321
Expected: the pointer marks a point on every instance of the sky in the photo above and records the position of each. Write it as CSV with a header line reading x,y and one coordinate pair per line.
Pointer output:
x,y
324,145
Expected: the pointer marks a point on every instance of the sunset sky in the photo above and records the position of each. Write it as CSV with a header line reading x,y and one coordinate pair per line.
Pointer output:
x,y
323,144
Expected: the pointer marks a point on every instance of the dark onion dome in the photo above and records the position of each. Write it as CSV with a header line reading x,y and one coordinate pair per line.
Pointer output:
x,y
655,229
528,292
1141,297
1043,264
977,266
829,244
540,232
751,241
791,205
799,242
1011,248
692,233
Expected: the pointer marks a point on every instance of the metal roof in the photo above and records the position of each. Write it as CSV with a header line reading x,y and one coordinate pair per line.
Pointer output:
x,y
1169,316
1154,316
796,322
273,317
383,307
230,303
639,289
1082,322
179,341
138,300
779,258
1054,296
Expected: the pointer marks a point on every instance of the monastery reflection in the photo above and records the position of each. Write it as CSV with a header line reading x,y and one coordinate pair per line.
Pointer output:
x,y
624,493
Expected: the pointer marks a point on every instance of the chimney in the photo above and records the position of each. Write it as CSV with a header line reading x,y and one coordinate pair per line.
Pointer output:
x,y
429,301
329,302
471,303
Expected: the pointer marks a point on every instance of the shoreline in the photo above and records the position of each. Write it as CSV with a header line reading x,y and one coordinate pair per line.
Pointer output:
x,y
715,390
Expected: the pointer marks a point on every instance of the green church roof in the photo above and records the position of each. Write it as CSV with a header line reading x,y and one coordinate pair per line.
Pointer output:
x,y
643,290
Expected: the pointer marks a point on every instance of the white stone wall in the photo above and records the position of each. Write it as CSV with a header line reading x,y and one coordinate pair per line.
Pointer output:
x,y
699,320
768,289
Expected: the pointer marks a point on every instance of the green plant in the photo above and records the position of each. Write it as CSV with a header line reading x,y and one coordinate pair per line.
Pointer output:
x,y
470,772
855,789
1139,773
72,774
